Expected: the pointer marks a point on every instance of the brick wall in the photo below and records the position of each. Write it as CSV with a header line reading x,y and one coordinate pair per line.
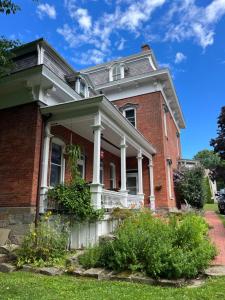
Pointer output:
x,y
20,138
150,123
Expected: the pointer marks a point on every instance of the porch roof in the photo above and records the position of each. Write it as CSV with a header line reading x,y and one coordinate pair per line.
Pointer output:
x,y
67,113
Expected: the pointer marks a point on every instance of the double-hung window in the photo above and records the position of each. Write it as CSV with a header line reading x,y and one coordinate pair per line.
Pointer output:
x,y
130,114
101,172
56,175
112,176
81,166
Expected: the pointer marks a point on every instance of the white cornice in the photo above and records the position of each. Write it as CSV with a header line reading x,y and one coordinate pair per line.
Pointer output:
x,y
159,76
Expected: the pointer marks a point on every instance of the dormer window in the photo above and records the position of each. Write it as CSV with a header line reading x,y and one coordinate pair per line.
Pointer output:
x,y
82,87
116,72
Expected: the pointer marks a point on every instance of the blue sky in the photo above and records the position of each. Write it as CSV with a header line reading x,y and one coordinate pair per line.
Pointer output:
x,y
188,36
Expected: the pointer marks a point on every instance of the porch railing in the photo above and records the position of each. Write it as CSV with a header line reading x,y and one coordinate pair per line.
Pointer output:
x,y
112,199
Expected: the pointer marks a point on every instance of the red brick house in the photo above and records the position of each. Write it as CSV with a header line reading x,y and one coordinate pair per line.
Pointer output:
x,y
124,114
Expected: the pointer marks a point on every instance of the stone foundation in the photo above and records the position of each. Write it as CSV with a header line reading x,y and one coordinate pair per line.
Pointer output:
x,y
18,219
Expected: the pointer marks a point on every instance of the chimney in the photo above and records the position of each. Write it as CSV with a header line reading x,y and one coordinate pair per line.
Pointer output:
x,y
145,47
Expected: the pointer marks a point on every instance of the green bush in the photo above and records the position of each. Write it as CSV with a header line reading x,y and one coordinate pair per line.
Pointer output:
x,y
189,186
46,244
169,248
207,191
74,198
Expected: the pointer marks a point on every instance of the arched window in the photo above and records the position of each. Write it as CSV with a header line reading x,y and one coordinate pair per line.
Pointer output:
x,y
57,169
116,72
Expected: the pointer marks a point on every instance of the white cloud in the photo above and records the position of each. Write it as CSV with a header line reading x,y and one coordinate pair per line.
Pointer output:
x,y
84,19
46,9
179,57
186,20
92,56
120,44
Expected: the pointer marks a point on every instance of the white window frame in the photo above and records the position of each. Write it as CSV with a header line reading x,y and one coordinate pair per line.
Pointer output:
x,y
81,162
121,73
78,89
59,142
135,117
113,179
135,175
165,124
169,164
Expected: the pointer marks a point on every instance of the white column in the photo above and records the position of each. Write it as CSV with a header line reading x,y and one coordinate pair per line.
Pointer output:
x,y
123,147
140,173
152,193
44,169
96,186
123,187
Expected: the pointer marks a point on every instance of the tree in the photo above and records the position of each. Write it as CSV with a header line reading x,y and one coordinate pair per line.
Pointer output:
x,y
6,46
7,7
219,148
219,142
208,159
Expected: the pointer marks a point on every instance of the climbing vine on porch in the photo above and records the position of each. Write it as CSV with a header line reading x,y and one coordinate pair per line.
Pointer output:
x,y
74,198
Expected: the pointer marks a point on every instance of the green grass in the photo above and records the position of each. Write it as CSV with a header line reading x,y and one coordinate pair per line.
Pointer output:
x,y
211,207
21,285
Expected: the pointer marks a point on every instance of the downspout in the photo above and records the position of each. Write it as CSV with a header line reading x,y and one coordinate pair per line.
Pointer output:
x,y
45,119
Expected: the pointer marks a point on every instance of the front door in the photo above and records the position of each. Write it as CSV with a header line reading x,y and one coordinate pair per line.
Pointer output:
x,y
132,183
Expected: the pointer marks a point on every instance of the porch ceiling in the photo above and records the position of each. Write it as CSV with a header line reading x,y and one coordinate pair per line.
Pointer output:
x,y
110,139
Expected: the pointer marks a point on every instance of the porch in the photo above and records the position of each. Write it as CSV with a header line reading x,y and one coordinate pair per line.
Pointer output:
x,y
98,121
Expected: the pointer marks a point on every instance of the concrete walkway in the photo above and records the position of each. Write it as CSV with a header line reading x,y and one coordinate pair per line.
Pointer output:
x,y
217,234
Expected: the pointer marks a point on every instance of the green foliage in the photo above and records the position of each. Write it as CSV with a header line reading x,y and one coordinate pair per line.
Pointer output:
x,y
6,55
189,186
169,248
74,153
75,199
207,191
8,7
46,244
121,213
91,258
208,159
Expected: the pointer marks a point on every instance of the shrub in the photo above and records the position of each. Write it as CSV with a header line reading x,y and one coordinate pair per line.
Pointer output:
x,y
46,244
75,199
170,248
189,186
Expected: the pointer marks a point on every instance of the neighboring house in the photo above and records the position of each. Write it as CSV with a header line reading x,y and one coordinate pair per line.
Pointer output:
x,y
124,114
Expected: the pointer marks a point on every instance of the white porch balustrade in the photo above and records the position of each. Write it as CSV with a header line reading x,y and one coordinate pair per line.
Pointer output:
x,y
112,199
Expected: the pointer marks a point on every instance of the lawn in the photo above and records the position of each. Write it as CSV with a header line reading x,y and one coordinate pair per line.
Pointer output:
x,y
20,285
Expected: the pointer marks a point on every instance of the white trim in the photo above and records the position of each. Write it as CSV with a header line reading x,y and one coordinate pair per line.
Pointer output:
x,y
131,175
59,142
135,115
169,179
152,63
165,123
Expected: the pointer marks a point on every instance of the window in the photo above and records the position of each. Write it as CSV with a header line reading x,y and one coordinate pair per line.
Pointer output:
x,y
169,163
132,183
81,166
116,72
130,114
101,172
112,176
56,175
81,87
165,120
